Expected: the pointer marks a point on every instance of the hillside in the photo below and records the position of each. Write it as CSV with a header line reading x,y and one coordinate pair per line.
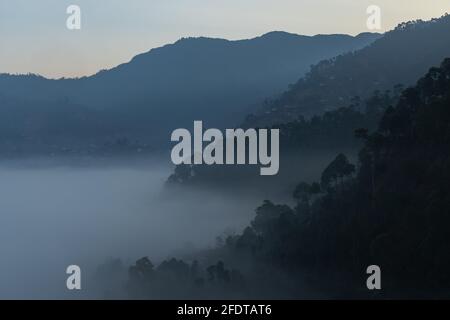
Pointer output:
x,y
390,211
401,56
216,80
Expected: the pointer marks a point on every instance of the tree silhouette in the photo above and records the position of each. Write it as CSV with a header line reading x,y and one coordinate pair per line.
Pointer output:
x,y
339,168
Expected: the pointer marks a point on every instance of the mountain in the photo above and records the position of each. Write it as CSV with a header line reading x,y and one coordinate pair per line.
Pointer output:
x,y
308,144
390,211
215,80
401,56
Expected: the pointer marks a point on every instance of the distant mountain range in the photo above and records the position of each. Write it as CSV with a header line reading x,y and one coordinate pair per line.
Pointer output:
x,y
214,80
401,56
136,105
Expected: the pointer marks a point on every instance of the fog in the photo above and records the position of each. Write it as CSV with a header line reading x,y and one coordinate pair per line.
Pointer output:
x,y
53,215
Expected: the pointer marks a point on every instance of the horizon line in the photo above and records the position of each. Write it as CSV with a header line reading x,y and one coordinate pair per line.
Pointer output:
x,y
181,39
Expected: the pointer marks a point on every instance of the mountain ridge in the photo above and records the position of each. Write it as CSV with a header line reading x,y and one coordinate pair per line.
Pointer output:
x,y
169,87
182,39
399,57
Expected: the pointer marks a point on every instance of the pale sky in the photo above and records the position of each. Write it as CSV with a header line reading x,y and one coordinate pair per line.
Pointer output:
x,y
34,37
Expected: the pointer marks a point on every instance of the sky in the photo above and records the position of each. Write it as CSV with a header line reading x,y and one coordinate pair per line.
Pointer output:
x,y
34,37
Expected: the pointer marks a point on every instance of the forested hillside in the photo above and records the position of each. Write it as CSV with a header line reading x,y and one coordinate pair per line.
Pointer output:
x,y
135,106
401,56
391,209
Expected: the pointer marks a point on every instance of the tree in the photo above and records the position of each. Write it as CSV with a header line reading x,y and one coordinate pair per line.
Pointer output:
x,y
304,191
248,240
143,269
269,216
182,174
141,276
339,168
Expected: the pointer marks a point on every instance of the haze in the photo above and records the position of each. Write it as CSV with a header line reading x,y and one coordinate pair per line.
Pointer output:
x,y
53,216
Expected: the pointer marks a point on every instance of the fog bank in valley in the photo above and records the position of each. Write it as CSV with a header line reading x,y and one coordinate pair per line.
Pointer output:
x,y
52,216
